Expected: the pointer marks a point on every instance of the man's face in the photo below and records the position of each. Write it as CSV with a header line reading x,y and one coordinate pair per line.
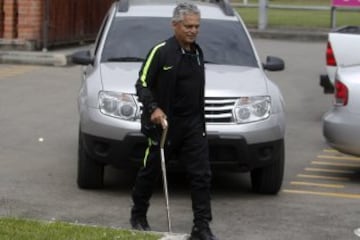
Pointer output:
x,y
187,29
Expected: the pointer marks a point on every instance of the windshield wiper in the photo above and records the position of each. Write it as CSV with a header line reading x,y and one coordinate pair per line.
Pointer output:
x,y
125,59
205,61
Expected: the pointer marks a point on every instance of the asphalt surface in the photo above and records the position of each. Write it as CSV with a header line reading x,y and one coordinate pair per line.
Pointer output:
x,y
62,56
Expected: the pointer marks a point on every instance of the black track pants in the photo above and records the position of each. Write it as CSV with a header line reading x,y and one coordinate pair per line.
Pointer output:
x,y
188,141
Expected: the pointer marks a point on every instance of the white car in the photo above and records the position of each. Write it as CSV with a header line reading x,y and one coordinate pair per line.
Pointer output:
x,y
341,125
342,43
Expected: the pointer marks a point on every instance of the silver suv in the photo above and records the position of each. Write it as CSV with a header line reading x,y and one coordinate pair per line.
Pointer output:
x,y
244,109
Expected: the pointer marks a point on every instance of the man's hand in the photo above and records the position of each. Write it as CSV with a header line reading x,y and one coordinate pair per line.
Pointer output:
x,y
158,117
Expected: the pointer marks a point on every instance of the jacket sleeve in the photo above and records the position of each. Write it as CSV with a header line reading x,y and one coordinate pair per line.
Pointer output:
x,y
147,80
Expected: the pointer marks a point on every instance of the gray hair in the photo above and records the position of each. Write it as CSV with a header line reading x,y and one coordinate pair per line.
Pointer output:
x,y
183,9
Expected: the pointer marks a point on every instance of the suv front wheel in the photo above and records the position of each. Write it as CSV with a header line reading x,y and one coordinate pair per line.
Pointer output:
x,y
90,172
267,180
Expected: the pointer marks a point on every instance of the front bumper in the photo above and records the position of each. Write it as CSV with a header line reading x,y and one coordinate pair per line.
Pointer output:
x,y
94,123
237,147
226,152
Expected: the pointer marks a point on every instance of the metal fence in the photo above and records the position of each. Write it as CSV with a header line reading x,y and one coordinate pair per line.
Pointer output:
x,y
264,7
71,21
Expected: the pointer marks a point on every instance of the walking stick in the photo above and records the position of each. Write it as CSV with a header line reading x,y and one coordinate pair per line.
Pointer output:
x,y
163,168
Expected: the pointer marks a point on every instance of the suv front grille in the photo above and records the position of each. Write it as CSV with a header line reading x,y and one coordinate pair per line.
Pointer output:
x,y
219,110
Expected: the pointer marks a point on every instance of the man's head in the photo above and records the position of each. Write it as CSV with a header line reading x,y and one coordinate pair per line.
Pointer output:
x,y
186,23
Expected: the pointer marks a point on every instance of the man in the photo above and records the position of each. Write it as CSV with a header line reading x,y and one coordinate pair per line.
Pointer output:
x,y
171,86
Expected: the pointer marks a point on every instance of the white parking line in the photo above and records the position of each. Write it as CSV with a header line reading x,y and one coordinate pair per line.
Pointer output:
x,y
311,184
325,173
323,177
350,158
327,170
330,151
326,194
336,164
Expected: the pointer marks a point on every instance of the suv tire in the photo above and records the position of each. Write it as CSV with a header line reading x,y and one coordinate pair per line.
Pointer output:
x,y
90,173
267,180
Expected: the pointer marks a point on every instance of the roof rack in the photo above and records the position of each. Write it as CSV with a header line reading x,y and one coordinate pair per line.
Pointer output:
x,y
123,5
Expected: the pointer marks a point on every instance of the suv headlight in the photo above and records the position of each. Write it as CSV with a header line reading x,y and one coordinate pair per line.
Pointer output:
x,y
252,109
119,105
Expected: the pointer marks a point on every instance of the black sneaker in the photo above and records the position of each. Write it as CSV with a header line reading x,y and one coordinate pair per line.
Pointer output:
x,y
140,224
203,233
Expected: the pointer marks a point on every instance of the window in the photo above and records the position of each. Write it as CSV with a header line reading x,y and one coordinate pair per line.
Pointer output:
x,y
223,42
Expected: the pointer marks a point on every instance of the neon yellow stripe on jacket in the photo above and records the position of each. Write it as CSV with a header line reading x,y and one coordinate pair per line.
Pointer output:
x,y
148,62
147,151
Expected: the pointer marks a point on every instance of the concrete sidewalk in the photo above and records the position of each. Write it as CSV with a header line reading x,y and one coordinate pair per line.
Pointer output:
x,y
62,56
174,236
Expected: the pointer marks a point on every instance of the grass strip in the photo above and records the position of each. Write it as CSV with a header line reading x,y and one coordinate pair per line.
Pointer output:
x,y
299,18
20,229
308,19
289,2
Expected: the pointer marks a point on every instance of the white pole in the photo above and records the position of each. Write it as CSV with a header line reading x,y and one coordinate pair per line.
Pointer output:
x,y
262,25
245,2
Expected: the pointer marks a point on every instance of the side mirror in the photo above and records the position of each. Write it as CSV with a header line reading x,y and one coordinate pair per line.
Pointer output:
x,y
82,58
274,64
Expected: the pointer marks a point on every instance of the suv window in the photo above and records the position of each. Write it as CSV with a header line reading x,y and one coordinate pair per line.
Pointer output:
x,y
223,42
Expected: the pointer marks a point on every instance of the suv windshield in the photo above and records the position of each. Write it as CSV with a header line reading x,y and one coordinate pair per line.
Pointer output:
x,y
223,42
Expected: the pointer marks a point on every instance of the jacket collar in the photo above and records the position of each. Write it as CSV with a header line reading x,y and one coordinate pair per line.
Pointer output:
x,y
177,47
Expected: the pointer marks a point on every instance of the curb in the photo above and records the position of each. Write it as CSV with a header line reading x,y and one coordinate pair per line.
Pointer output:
x,y
296,35
57,58
35,58
175,236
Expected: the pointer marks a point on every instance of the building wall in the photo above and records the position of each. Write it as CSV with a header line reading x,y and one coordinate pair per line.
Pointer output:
x,y
33,24
10,19
1,18
80,19
30,17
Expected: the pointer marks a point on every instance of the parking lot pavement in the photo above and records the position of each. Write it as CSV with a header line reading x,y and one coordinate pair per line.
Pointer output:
x,y
14,70
331,174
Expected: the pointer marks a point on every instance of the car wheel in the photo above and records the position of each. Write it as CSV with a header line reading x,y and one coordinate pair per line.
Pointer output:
x,y
90,172
268,180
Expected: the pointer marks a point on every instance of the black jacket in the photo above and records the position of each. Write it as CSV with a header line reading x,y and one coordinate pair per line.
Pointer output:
x,y
157,81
